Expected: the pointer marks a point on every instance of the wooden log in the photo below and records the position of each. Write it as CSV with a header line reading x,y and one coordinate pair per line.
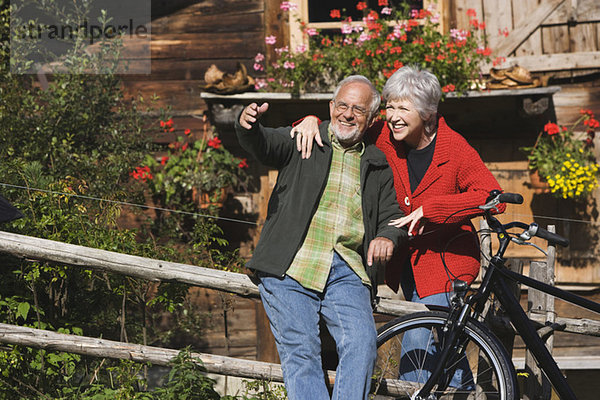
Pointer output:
x,y
157,270
52,341
152,270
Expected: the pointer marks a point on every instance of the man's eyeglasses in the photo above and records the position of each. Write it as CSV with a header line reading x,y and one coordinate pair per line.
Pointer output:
x,y
341,107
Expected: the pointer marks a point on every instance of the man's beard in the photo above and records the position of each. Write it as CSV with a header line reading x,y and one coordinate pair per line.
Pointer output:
x,y
351,137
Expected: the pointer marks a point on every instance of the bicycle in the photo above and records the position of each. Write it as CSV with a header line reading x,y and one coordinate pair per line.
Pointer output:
x,y
459,344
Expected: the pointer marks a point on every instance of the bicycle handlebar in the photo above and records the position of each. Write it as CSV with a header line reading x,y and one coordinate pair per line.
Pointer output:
x,y
533,229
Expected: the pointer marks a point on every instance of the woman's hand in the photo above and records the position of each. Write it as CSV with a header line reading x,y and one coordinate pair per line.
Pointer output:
x,y
307,131
412,220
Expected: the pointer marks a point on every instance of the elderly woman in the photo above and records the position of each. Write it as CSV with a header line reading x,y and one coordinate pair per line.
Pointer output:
x,y
439,180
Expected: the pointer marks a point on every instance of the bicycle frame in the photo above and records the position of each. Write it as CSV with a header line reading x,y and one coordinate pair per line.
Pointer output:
x,y
496,280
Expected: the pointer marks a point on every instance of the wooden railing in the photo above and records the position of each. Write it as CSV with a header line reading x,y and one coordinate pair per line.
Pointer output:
x,y
157,270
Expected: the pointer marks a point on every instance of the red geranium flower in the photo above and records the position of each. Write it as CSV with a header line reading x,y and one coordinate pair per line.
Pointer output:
x,y
215,143
361,5
164,160
335,13
243,163
187,131
551,128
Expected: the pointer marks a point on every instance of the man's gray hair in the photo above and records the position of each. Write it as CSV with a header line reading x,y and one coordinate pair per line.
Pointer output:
x,y
419,86
375,97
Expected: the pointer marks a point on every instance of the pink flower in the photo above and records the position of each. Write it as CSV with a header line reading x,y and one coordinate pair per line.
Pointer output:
x,y
311,31
301,48
346,29
289,65
288,5
363,37
270,39
260,84
258,67
386,11
259,57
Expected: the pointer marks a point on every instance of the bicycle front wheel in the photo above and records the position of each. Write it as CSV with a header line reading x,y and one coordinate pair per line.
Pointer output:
x,y
407,348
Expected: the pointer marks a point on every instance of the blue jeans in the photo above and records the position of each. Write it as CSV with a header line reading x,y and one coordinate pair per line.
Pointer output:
x,y
294,313
417,342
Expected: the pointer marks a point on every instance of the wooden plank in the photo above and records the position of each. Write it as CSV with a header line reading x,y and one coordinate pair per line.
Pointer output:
x,y
555,62
235,15
207,45
222,23
276,24
194,69
497,17
521,33
182,95
459,12
521,12
555,40
583,37
573,98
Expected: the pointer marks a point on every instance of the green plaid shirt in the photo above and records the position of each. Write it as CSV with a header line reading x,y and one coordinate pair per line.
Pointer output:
x,y
337,224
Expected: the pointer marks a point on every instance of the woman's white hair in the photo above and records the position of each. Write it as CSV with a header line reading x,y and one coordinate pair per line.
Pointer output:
x,y
375,97
420,87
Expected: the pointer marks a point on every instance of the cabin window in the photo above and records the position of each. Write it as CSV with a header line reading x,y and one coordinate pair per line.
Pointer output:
x,y
316,14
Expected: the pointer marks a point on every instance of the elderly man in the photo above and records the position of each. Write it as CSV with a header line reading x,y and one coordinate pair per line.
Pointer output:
x,y
324,241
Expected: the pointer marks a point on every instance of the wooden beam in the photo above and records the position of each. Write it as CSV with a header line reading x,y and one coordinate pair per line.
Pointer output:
x,y
521,34
152,270
157,270
552,62
52,341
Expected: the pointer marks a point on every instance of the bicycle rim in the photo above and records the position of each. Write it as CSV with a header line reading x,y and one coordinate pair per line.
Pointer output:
x,y
484,371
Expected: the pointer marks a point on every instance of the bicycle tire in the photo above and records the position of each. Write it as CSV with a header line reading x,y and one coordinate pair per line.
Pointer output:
x,y
492,375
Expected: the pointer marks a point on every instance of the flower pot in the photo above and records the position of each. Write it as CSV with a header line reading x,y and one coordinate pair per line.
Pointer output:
x,y
537,183
209,199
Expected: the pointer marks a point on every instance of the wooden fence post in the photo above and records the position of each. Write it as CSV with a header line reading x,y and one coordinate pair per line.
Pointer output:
x,y
537,385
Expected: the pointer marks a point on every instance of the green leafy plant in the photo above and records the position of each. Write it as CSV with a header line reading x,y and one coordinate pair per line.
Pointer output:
x,y
567,164
187,380
192,168
376,47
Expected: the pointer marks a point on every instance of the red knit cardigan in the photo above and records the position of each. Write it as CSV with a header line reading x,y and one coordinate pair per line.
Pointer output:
x,y
455,180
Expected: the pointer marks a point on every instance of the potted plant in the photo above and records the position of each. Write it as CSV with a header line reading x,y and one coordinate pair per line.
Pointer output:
x,y
199,171
376,47
566,164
